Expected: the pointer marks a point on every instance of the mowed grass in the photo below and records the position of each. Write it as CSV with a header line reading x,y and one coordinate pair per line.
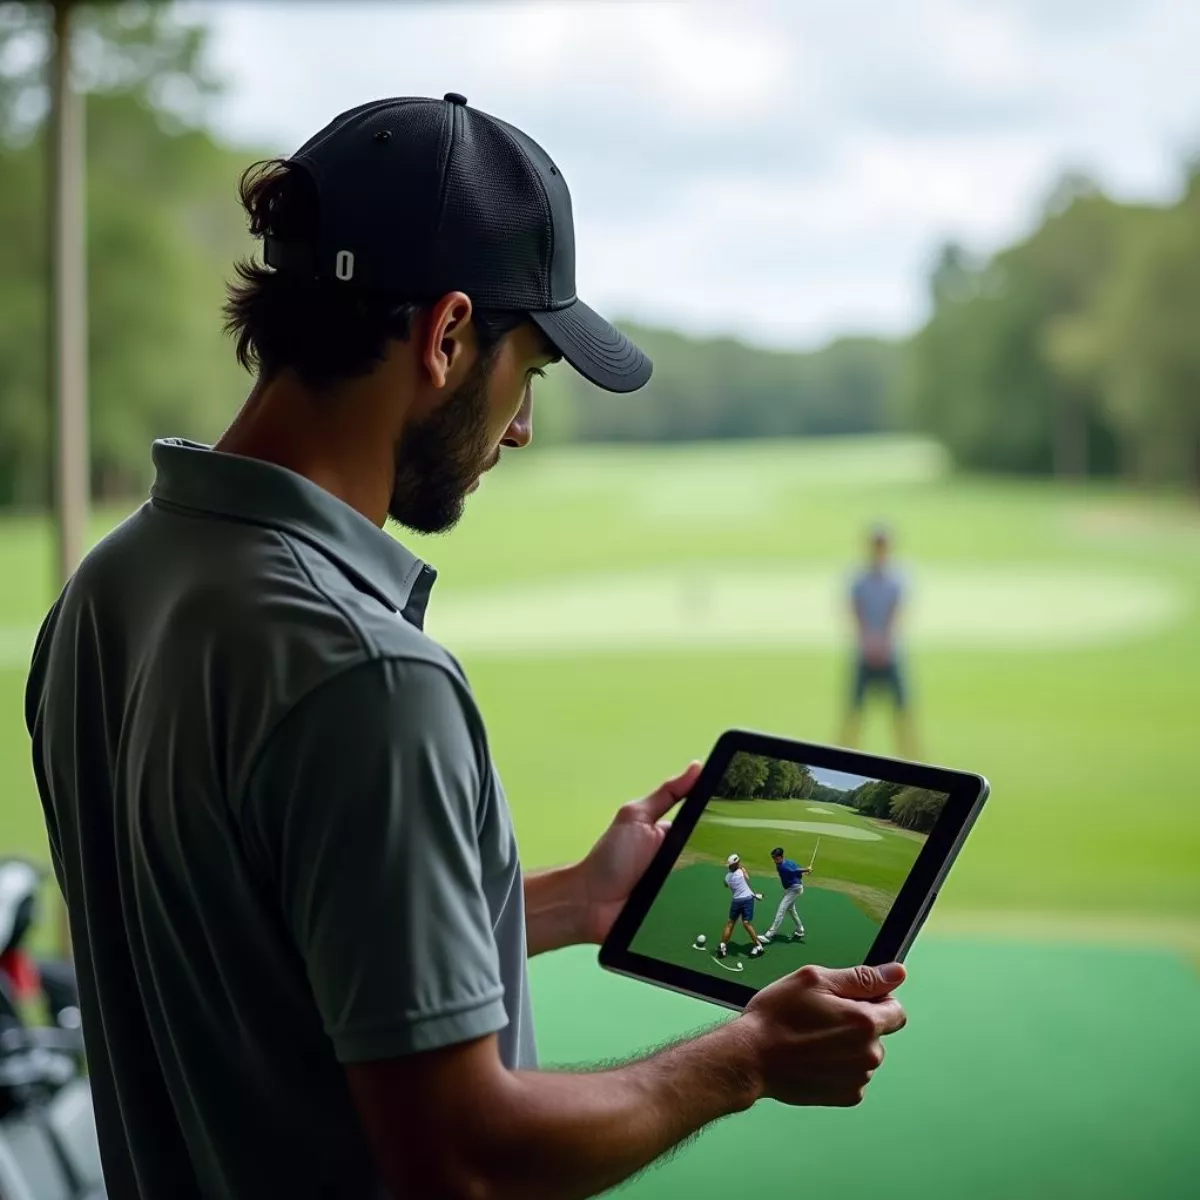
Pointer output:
x,y
1091,750
870,870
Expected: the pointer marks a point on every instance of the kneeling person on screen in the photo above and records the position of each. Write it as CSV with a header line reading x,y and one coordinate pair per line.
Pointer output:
x,y
791,875
741,907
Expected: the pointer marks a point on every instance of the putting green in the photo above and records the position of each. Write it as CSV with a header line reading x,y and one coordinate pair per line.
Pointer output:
x,y
694,900
712,606
716,606
824,828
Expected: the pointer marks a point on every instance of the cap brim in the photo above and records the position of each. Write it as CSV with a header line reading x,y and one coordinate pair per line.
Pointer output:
x,y
601,353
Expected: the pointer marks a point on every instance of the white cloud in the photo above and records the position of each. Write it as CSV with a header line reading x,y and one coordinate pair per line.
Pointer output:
x,y
776,169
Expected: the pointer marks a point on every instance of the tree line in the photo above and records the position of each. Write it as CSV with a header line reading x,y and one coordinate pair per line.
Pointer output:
x,y
912,808
1072,352
757,777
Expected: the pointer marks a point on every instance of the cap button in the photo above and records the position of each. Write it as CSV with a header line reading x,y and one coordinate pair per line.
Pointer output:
x,y
455,98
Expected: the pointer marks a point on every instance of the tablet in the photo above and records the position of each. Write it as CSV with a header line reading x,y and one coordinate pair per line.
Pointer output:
x,y
784,854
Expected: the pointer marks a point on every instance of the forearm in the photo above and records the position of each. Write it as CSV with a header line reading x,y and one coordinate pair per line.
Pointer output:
x,y
555,910
561,1136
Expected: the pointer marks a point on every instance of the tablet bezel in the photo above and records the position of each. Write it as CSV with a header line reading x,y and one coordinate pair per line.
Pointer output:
x,y
967,793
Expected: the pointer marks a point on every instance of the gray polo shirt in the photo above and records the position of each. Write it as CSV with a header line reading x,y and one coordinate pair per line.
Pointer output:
x,y
274,815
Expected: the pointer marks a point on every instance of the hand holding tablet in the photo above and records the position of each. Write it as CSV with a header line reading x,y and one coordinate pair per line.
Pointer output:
x,y
750,829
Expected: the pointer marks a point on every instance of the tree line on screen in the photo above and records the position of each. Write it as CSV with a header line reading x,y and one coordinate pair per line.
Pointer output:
x,y
758,777
1073,351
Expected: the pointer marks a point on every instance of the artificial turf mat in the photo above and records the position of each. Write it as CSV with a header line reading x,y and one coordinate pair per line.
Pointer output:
x,y
1025,1072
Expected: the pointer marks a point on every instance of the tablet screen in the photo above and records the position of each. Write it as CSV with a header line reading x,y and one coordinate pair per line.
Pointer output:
x,y
827,852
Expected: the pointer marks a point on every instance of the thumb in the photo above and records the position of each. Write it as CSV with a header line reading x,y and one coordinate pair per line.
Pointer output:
x,y
664,797
864,983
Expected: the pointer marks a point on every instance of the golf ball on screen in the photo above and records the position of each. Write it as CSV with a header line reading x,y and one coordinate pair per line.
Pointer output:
x,y
700,939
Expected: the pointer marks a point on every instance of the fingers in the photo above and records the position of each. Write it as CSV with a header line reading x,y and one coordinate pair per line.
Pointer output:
x,y
664,798
861,983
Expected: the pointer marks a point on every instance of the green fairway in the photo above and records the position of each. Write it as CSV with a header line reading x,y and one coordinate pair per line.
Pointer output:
x,y
695,900
867,859
1085,742
1055,647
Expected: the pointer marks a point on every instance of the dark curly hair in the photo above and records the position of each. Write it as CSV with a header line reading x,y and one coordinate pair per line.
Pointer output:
x,y
323,332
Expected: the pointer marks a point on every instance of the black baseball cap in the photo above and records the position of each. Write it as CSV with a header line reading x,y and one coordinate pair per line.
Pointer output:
x,y
420,197
777,852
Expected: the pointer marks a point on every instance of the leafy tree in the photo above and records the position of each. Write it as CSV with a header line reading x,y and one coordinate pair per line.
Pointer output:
x,y
983,374
1138,344
875,799
162,230
744,777
917,808
787,780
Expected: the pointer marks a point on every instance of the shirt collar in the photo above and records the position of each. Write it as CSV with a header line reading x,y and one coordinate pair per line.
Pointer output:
x,y
192,476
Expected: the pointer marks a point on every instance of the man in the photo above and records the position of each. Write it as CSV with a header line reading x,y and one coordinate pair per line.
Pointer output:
x,y
792,877
741,907
256,768
876,599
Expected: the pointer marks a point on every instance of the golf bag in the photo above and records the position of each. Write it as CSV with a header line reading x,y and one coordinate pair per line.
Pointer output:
x,y
48,1144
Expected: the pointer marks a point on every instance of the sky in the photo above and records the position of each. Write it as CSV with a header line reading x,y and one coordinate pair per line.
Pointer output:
x,y
838,779
779,170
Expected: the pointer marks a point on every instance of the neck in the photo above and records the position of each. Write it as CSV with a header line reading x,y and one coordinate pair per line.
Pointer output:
x,y
319,437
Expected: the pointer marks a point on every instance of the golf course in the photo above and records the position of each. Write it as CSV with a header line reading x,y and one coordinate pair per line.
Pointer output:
x,y
863,863
618,608
865,858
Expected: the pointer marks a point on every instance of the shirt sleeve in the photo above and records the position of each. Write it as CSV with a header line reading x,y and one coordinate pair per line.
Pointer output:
x,y
363,809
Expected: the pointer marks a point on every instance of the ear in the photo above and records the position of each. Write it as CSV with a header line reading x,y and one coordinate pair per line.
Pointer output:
x,y
446,340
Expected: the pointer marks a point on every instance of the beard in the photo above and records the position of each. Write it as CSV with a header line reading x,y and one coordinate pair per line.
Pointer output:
x,y
440,458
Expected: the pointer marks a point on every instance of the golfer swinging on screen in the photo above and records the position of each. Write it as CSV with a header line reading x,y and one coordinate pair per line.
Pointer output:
x,y
741,907
792,877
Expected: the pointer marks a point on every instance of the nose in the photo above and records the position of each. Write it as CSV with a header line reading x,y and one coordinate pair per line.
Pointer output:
x,y
520,432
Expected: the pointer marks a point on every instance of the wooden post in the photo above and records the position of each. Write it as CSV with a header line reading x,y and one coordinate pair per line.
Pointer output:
x,y
67,295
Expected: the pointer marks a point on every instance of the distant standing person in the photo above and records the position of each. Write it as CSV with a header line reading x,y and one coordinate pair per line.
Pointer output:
x,y
876,598
741,907
791,875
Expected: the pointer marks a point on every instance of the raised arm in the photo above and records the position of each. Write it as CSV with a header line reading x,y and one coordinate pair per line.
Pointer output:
x,y
454,1123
